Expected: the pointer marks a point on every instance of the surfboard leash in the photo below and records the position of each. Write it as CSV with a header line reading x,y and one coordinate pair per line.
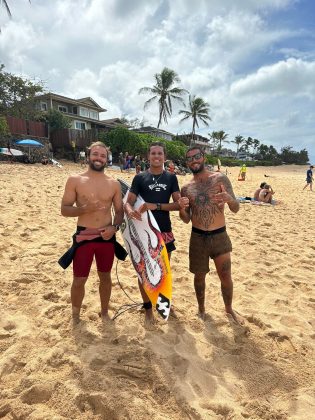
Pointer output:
x,y
128,306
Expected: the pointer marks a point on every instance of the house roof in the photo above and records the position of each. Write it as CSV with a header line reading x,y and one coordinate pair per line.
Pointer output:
x,y
83,101
149,129
197,136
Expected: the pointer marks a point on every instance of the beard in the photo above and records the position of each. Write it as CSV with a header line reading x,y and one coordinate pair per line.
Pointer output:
x,y
96,168
198,169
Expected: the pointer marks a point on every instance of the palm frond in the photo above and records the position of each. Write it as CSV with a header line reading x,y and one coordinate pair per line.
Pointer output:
x,y
6,6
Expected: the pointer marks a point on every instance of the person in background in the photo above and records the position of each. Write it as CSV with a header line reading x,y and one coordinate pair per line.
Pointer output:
x,y
110,157
256,193
242,174
265,194
309,178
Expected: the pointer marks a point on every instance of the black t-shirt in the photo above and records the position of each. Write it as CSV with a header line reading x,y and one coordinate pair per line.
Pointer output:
x,y
156,189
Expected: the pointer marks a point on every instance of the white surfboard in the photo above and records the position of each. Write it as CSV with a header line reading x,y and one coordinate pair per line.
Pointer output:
x,y
148,253
10,152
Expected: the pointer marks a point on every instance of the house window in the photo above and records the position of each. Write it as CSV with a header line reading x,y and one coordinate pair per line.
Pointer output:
x,y
43,106
94,115
84,112
62,108
80,125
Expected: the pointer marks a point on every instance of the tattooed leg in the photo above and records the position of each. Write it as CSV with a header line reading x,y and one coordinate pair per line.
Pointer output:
x,y
200,287
223,266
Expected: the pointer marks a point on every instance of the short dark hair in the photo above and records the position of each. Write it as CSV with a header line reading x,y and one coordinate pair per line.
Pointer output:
x,y
96,143
195,148
263,184
157,143
312,166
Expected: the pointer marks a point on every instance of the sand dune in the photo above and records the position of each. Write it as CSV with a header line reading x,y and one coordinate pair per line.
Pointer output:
x,y
184,369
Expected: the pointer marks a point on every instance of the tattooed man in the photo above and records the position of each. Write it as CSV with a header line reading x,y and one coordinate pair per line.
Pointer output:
x,y
208,192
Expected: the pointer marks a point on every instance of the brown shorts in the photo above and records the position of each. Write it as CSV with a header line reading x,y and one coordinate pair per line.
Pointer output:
x,y
207,244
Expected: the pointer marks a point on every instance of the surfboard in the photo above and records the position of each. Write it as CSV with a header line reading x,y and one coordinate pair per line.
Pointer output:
x,y
55,162
11,152
146,248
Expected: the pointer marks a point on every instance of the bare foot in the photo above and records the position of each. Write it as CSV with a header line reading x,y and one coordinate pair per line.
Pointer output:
x,y
202,315
173,313
105,317
75,315
235,317
149,317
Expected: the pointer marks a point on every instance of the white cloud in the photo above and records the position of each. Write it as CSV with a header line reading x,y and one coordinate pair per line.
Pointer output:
x,y
256,76
290,77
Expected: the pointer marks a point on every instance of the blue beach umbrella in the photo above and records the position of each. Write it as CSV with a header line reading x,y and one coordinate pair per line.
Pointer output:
x,y
29,143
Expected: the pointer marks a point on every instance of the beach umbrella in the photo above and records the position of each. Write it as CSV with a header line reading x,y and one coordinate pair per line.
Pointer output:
x,y
30,143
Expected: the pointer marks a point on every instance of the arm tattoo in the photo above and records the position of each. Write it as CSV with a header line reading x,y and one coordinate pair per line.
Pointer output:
x,y
234,205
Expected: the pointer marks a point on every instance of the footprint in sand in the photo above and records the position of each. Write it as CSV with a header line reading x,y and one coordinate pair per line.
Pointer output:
x,y
37,394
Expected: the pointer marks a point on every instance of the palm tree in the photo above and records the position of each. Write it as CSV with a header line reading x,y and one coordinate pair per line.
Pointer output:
x,y
198,110
6,6
238,140
164,93
248,144
219,137
255,145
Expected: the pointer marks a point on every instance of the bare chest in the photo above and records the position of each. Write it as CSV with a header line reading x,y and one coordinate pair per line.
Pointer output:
x,y
94,190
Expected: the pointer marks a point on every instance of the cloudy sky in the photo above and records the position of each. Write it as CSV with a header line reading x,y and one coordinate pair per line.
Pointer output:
x,y
253,61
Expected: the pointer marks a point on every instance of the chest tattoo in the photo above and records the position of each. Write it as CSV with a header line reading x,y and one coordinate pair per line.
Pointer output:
x,y
203,208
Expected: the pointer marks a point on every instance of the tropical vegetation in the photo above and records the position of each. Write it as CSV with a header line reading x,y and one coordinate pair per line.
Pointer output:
x,y
164,93
198,110
17,95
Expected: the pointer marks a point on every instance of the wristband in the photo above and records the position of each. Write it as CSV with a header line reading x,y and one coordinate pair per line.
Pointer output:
x,y
158,206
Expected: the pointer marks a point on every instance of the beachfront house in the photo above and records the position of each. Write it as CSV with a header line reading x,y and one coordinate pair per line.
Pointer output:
x,y
195,139
241,155
85,117
156,132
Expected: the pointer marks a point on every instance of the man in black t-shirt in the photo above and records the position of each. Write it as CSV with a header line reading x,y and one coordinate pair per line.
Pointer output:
x,y
156,186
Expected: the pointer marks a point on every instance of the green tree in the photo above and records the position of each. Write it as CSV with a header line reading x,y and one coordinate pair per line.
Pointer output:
x,y
123,140
4,129
247,144
291,156
198,110
56,120
17,96
219,137
255,145
238,140
164,92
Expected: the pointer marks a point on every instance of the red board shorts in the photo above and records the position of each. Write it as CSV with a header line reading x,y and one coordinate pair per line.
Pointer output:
x,y
83,258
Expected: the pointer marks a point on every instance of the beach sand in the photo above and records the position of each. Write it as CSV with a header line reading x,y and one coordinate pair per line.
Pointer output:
x,y
185,368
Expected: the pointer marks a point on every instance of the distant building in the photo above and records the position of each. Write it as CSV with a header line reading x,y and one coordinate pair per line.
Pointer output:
x,y
227,153
241,155
197,140
157,132
84,114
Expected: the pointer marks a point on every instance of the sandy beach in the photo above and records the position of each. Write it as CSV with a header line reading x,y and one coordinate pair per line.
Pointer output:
x,y
185,368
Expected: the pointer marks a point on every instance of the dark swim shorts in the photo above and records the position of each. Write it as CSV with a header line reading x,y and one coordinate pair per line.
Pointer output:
x,y
207,244
83,258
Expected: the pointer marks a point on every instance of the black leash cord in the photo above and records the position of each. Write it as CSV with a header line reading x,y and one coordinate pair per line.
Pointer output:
x,y
128,306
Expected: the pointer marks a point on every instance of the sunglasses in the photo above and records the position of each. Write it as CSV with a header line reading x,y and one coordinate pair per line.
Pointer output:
x,y
197,156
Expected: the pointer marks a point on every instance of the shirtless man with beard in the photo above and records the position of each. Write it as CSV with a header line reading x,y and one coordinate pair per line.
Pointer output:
x,y
89,196
208,192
